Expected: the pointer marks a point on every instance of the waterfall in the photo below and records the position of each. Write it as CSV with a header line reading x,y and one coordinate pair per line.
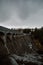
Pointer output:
x,y
30,45
5,44
13,61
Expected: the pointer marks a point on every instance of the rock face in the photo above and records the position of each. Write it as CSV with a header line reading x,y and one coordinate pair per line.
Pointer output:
x,y
21,44
18,50
10,44
3,50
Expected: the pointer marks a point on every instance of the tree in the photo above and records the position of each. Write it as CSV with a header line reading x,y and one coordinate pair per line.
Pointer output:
x,y
26,31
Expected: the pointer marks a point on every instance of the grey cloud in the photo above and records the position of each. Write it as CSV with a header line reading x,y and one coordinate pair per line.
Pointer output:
x,y
20,10
24,8
29,7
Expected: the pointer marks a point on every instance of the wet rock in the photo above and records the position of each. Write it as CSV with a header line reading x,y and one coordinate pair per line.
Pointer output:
x,y
20,62
40,51
3,49
13,61
21,44
4,60
26,63
31,63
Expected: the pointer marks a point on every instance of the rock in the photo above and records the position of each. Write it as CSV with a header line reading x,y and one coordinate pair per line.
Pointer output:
x,y
4,60
31,63
3,49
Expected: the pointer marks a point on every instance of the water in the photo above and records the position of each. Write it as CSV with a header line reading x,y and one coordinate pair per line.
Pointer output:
x,y
6,45
13,61
29,58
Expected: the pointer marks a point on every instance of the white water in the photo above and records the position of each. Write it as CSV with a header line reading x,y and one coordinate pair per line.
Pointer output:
x,y
6,45
28,58
13,61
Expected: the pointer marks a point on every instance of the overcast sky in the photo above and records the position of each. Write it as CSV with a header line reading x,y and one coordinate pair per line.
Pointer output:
x,y
21,13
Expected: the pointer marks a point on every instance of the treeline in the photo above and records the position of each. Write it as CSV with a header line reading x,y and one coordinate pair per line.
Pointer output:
x,y
38,34
27,31
35,33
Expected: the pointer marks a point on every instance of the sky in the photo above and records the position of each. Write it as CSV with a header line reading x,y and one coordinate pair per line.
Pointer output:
x,y
21,13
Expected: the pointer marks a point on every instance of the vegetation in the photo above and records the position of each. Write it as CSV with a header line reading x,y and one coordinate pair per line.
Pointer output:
x,y
26,31
38,34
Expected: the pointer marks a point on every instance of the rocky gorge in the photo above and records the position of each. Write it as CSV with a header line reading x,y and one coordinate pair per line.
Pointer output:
x,y
18,50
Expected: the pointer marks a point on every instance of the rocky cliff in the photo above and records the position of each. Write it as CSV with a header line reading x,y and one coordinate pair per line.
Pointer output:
x,y
18,44
18,50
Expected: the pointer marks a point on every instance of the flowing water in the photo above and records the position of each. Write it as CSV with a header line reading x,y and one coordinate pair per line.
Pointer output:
x,y
29,58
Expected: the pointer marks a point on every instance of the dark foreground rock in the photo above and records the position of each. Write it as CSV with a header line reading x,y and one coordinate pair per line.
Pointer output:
x,y
4,60
26,63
